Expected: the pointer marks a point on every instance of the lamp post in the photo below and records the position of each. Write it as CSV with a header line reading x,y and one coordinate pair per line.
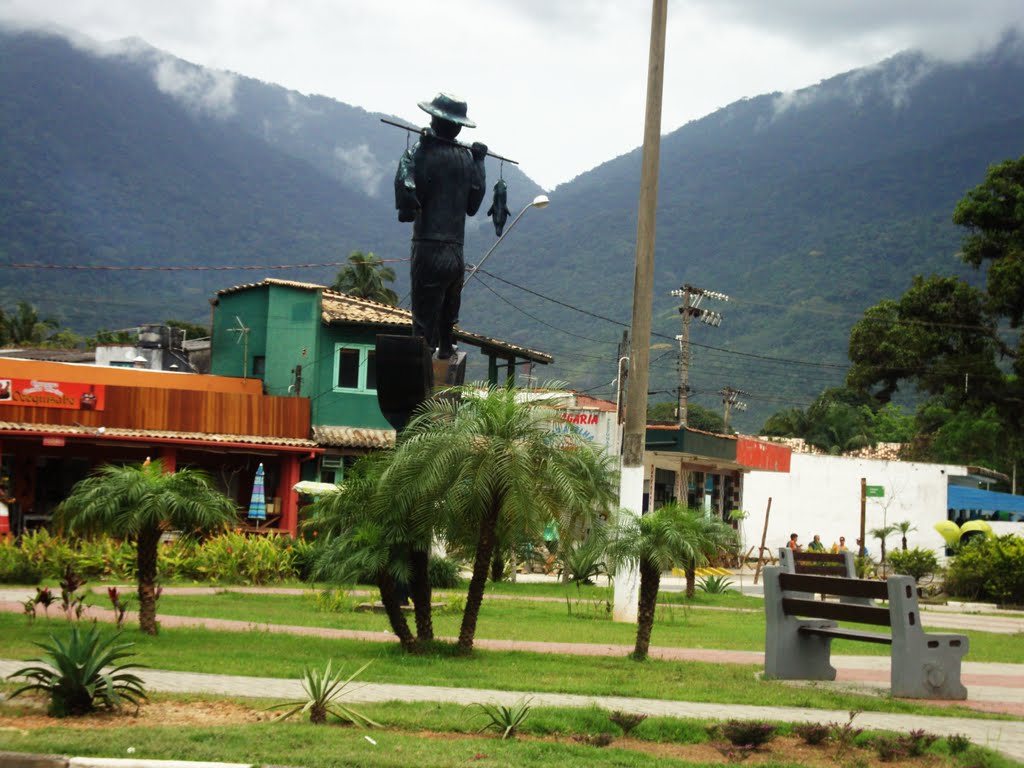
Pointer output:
x,y
540,201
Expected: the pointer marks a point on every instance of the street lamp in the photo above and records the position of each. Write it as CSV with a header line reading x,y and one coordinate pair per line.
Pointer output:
x,y
540,201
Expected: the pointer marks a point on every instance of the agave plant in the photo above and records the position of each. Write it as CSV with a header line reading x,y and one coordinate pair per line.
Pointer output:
x,y
322,691
81,674
715,585
505,719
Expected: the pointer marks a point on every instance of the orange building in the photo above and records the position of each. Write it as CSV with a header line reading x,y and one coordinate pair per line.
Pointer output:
x,y
58,421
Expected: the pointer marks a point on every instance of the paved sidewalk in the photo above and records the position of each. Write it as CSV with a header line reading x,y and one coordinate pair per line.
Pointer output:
x,y
1006,737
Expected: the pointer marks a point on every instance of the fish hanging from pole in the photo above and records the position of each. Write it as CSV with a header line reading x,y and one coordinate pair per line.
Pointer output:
x,y
499,208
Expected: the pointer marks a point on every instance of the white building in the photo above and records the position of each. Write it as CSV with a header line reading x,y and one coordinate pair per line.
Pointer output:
x,y
821,495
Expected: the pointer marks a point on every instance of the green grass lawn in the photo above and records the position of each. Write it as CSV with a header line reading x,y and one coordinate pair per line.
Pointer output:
x,y
264,654
424,735
576,617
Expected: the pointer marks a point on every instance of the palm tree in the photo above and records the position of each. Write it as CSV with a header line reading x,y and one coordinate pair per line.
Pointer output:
x,y
364,277
359,538
724,539
479,465
139,502
904,528
670,536
882,534
26,327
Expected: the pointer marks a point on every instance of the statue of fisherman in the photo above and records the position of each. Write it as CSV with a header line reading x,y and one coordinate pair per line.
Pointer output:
x,y
439,182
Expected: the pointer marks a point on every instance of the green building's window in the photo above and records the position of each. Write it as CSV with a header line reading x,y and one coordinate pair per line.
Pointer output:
x,y
355,368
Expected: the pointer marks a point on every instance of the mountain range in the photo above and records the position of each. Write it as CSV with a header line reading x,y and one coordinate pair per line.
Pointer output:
x,y
805,207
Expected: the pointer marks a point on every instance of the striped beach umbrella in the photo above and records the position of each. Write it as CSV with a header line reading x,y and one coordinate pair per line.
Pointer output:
x,y
258,503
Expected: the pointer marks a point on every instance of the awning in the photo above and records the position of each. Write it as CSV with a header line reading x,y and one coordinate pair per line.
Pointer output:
x,y
962,497
311,488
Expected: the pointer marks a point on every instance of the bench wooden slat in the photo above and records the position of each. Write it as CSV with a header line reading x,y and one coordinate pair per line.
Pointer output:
x,y
819,557
831,585
841,633
821,570
819,609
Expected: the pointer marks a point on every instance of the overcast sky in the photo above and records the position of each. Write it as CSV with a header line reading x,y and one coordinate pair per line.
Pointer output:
x,y
557,84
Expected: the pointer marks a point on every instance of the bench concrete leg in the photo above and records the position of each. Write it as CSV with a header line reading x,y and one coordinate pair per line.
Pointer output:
x,y
932,672
791,655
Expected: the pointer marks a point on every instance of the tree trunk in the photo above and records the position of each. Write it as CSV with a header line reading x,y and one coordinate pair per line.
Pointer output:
x,y
475,596
498,564
422,595
393,609
691,581
147,548
904,543
650,581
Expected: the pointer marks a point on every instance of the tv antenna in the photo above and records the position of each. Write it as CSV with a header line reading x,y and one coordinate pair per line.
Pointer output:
x,y
243,339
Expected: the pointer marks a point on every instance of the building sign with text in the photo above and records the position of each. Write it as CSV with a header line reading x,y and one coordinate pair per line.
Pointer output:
x,y
51,394
600,427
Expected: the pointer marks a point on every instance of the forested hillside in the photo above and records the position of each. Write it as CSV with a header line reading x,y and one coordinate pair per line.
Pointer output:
x,y
806,208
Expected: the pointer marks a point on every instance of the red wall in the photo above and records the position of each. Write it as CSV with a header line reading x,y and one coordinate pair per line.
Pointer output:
x,y
758,454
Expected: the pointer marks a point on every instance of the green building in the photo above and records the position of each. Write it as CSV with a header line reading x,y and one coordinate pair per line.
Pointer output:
x,y
305,340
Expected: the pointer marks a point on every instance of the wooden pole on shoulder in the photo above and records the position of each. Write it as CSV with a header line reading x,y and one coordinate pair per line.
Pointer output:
x,y
764,535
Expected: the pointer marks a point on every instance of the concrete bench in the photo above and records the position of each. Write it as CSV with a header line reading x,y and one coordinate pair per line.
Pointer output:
x,y
922,666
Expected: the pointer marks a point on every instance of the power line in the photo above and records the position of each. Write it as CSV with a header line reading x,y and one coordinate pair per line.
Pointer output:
x,y
535,318
229,268
662,335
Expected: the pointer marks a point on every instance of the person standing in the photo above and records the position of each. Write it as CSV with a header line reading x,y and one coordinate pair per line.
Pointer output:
x,y
438,183
5,513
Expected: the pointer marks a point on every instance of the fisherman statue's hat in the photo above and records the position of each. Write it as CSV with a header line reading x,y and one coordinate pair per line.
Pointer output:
x,y
448,107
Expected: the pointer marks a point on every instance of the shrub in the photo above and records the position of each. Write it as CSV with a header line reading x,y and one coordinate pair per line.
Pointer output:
x,y
958,744
916,562
73,674
593,739
813,733
627,721
916,742
120,604
49,553
334,601
989,569
443,572
105,557
747,733
454,604
506,720
583,561
323,690
236,558
889,748
16,568
965,576
864,567
70,601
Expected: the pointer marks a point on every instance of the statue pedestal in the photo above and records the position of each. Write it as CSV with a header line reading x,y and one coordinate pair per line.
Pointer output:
x,y
407,375
450,372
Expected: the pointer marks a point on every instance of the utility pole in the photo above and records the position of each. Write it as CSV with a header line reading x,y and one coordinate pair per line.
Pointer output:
x,y
691,308
631,477
731,400
684,357
621,375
